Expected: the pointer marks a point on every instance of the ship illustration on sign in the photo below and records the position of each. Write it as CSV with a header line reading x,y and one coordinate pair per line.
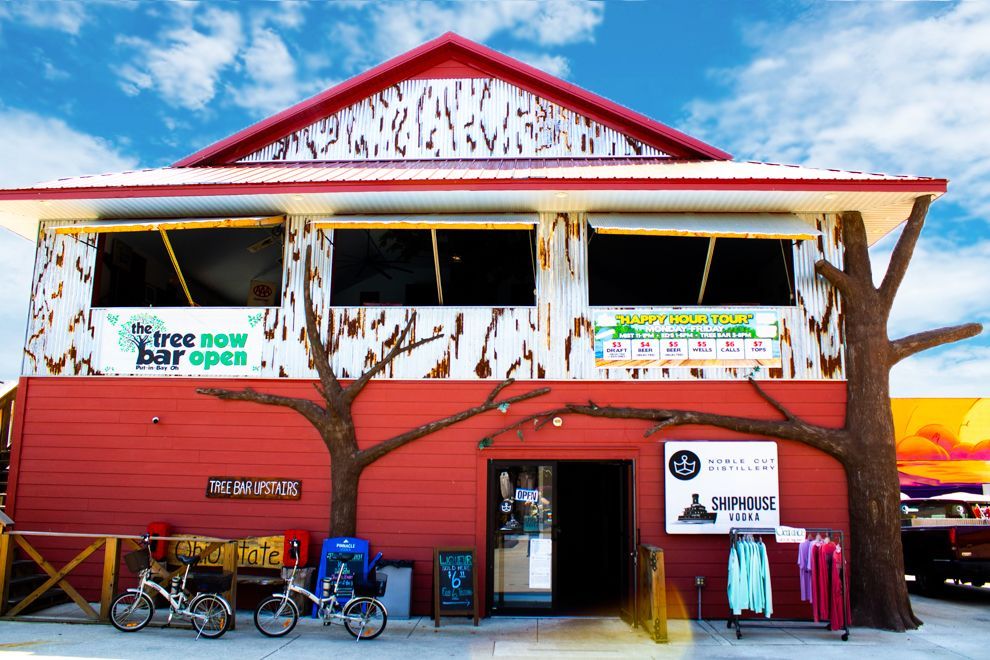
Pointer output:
x,y
697,514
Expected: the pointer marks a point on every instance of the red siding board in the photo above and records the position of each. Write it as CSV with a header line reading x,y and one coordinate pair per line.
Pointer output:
x,y
87,458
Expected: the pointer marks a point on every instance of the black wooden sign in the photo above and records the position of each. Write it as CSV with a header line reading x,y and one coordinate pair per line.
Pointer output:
x,y
254,488
455,583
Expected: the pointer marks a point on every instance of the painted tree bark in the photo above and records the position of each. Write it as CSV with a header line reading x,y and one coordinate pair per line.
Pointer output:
x,y
865,444
334,422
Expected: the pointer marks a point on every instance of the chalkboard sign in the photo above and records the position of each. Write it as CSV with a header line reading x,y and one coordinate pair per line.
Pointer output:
x,y
455,583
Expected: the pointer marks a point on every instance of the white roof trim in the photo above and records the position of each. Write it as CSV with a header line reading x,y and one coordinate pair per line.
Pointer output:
x,y
722,225
429,221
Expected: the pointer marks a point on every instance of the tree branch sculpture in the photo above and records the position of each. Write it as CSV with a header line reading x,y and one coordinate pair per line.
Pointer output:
x,y
865,443
334,421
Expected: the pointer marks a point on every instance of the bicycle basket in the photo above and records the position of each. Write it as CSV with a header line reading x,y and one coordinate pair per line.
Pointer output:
x,y
374,588
210,583
137,561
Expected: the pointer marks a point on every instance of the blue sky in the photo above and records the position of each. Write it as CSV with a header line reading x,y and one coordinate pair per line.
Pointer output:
x,y
891,87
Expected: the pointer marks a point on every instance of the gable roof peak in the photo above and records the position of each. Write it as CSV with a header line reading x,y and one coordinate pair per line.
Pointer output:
x,y
474,59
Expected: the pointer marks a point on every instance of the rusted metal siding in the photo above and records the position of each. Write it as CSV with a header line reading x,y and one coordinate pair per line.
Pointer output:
x,y
551,340
60,332
452,118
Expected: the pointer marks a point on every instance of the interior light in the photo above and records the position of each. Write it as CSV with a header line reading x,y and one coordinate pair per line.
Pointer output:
x,y
456,257
560,195
830,195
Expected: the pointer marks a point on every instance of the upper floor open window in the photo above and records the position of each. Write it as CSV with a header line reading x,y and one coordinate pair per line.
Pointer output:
x,y
687,259
233,262
433,261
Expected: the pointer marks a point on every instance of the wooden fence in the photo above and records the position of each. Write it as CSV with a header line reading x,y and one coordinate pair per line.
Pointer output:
x,y
111,544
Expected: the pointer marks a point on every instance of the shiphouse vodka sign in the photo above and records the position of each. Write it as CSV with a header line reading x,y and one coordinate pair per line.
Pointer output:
x,y
181,342
711,487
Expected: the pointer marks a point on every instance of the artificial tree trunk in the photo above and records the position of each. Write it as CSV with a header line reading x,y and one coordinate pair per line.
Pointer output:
x,y
333,419
865,444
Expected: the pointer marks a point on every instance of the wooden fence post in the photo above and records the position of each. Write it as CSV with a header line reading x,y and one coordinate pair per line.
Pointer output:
x,y
230,566
651,609
111,573
6,562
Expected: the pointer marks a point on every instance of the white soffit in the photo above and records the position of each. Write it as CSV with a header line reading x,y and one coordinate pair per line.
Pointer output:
x,y
722,225
429,221
111,226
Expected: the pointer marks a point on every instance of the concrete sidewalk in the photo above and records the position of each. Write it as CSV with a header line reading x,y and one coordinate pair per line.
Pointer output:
x,y
957,626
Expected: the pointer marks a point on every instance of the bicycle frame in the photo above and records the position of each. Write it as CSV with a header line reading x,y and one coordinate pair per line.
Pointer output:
x,y
177,601
328,608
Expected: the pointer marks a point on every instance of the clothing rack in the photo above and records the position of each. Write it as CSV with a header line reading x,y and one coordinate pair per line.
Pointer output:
x,y
794,624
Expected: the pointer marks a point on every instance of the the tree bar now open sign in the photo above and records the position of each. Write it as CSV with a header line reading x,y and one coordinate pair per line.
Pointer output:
x,y
254,488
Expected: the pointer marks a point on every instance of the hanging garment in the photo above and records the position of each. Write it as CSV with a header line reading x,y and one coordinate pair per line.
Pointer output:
x,y
823,576
733,582
816,595
756,596
767,589
804,569
837,591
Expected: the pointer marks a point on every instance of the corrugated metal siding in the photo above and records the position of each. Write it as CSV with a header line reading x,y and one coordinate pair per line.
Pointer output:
x,y
89,436
551,340
60,331
452,118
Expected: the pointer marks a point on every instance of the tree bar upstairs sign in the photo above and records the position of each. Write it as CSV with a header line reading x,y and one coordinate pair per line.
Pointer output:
x,y
455,583
253,488
687,337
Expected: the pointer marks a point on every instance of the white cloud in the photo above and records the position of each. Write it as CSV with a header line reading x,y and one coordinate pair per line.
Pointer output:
x,y
63,16
185,68
48,148
397,27
959,370
889,87
945,284
555,65
274,84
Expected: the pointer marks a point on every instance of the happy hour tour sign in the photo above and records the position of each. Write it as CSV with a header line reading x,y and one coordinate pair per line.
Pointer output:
x,y
711,487
687,337
181,342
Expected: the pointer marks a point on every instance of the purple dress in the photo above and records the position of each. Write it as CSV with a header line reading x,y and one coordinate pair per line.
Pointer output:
x,y
804,569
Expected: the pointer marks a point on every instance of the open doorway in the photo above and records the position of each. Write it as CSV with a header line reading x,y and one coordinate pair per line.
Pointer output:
x,y
560,537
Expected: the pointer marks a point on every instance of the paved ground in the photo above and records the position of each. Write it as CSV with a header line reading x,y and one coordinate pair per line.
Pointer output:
x,y
957,626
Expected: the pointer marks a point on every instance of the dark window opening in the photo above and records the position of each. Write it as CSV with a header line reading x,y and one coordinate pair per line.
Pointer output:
x,y
625,270
224,267
485,268
751,271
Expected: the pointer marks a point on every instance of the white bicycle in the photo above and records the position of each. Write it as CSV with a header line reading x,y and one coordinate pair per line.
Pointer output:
x,y
364,616
209,612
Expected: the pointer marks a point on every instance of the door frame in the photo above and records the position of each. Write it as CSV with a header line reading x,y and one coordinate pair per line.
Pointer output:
x,y
489,469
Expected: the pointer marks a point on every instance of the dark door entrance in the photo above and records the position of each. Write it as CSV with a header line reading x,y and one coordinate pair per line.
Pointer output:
x,y
560,537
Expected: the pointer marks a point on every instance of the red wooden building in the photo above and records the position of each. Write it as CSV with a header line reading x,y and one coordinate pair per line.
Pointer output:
x,y
551,235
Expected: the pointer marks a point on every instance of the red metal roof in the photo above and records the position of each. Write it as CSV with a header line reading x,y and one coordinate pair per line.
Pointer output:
x,y
453,52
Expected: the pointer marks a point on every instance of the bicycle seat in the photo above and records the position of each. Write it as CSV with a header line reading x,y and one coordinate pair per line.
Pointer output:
x,y
187,559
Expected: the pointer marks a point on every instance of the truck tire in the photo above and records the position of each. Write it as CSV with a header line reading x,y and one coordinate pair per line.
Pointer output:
x,y
930,584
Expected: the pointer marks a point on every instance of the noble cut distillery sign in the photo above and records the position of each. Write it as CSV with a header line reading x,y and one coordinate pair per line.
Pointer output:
x,y
253,488
711,487
180,342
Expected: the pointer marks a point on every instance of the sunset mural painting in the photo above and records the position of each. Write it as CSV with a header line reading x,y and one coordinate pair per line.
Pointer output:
x,y
943,445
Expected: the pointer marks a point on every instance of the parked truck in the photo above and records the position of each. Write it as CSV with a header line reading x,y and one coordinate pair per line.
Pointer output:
x,y
946,538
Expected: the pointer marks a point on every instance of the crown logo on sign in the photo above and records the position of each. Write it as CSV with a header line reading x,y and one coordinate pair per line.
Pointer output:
x,y
684,467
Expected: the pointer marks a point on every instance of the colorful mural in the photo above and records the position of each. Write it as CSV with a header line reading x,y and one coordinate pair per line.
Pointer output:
x,y
943,445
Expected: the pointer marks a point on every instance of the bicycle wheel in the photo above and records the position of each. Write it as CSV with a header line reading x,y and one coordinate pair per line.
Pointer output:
x,y
365,618
131,611
210,615
276,616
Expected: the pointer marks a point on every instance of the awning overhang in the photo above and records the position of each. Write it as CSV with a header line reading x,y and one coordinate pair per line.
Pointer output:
x,y
707,225
523,221
112,226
